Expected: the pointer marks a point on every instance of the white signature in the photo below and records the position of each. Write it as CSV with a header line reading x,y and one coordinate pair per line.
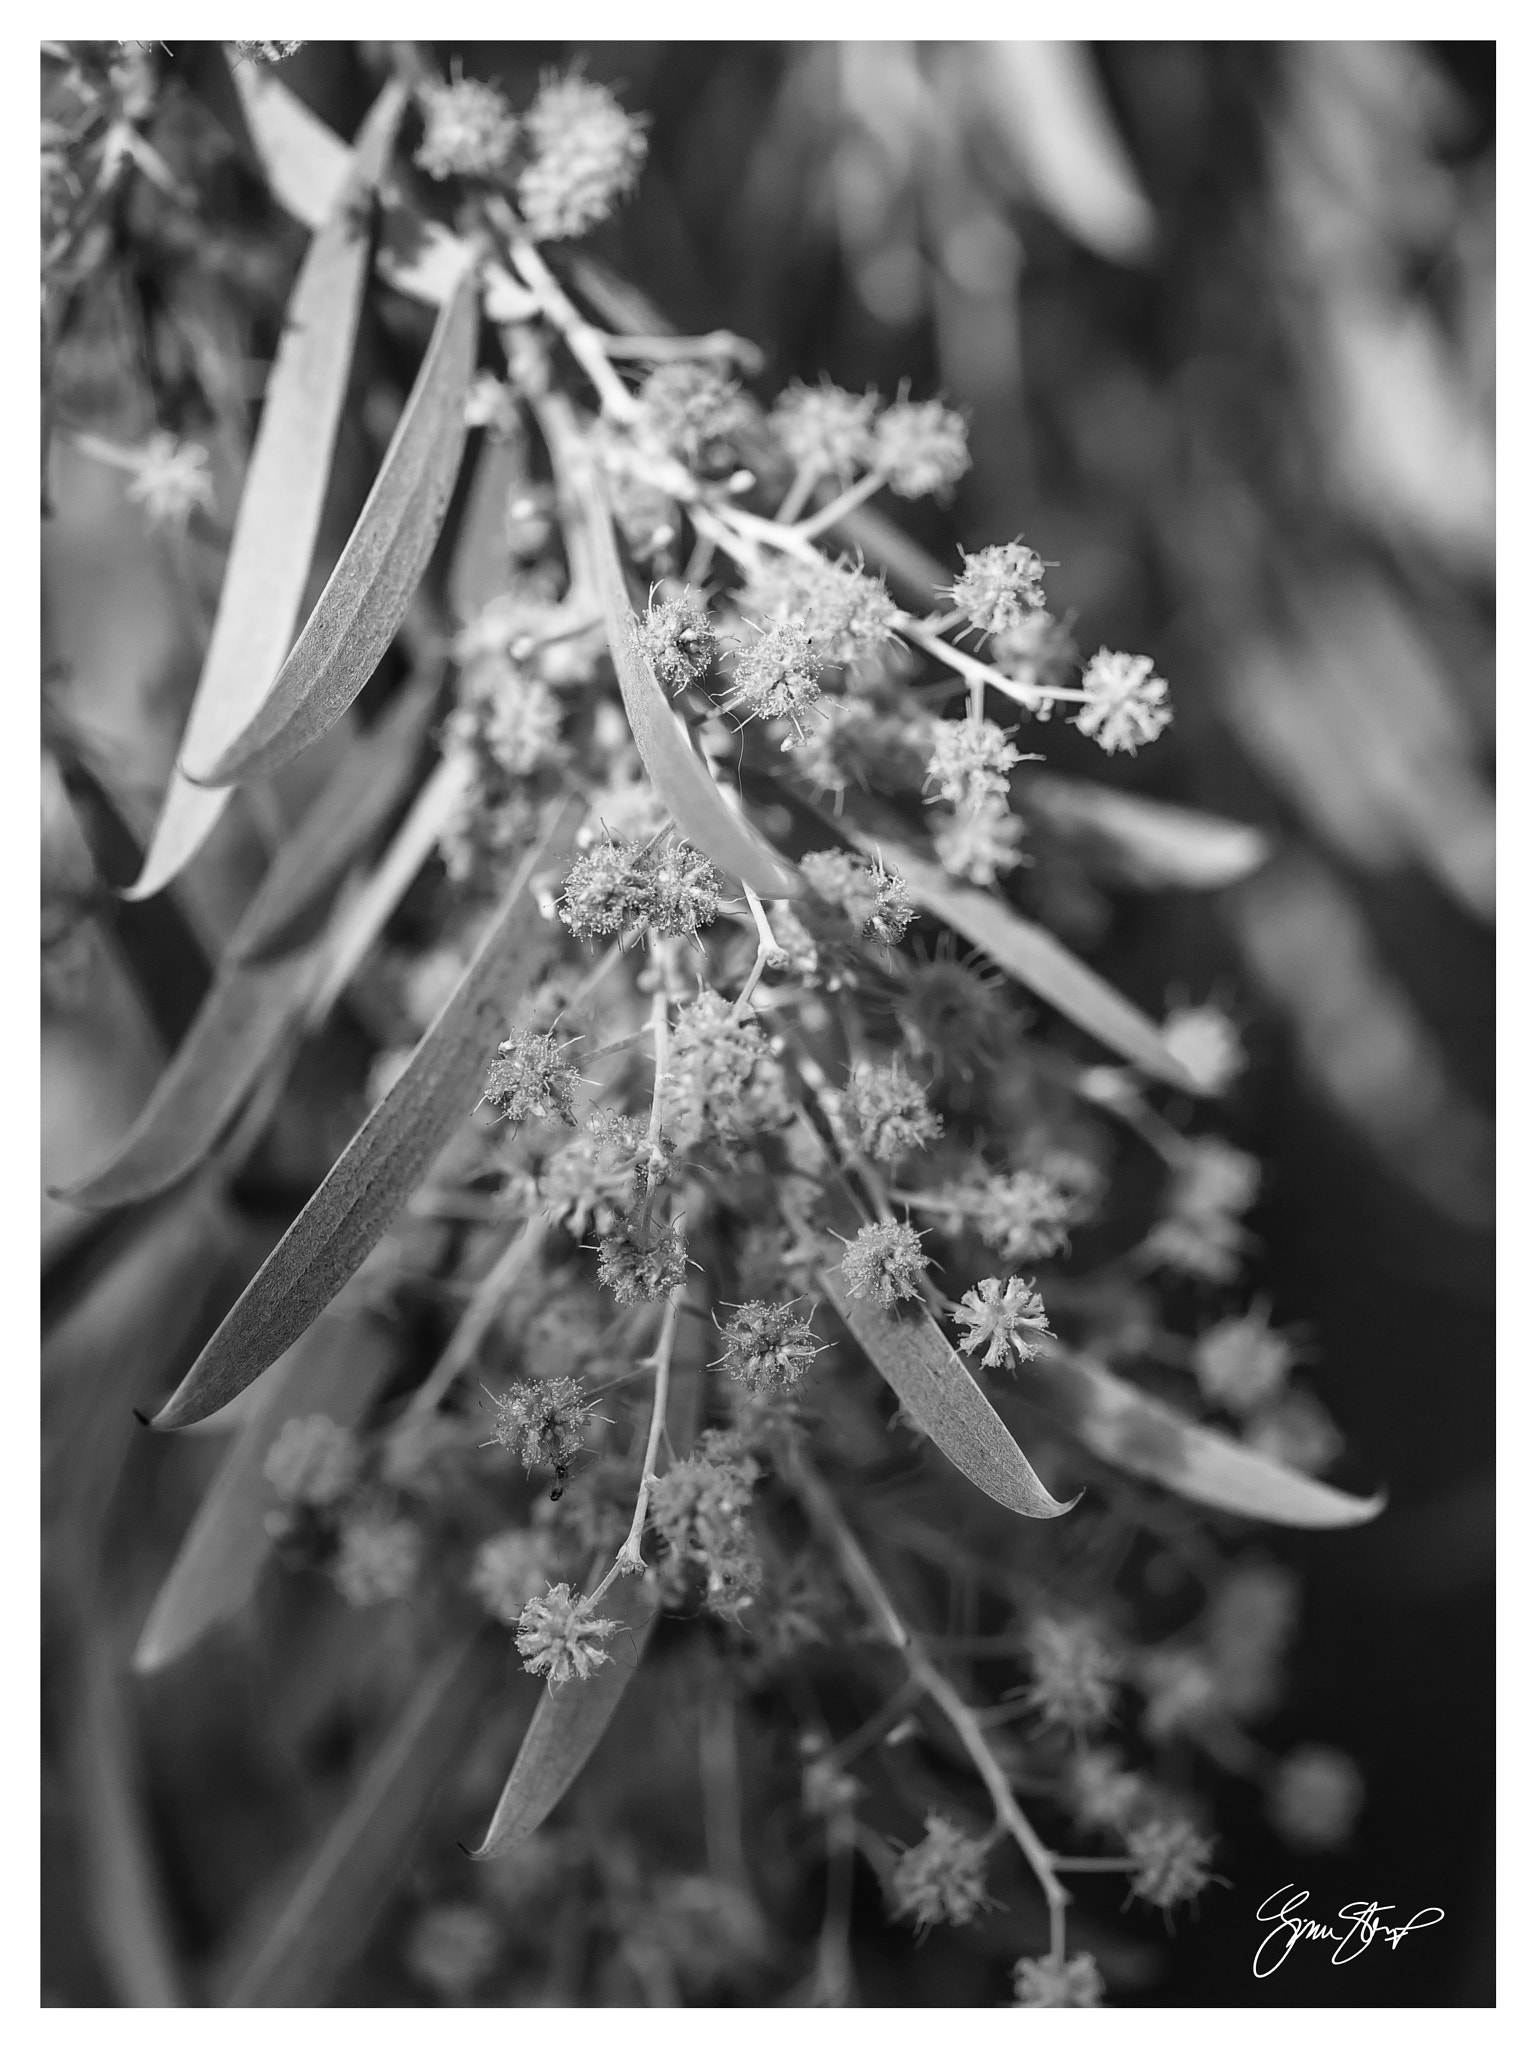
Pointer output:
x,y
1361,1925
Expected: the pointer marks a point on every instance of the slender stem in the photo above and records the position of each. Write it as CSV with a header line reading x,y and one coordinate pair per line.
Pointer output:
x,y
807,476
666,348
656,1163
583,341
629,1558
768,948
845,501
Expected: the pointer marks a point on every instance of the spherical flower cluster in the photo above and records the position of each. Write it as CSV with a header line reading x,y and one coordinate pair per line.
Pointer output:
x,y
971,760
586,155
595,1180
470,129
1076,1672
1042,1980
884,1263
1315,1798
313,1462
170,479
643,1268
878,902
941,1878
1184,1692
995,1314
1241,1363
847,615
1040,653
1296,1431
777,675
452,1948
1173,1860
543,1422
1205,1041
720,1082
504,729
1000,586
981,842
678,640
700,1510
508,1570
268,53
528,1077
825,431
768,1345
620,888
921,450
1126,706
559,1637
379,1559
1104,1795
1199,1232
857,742
698,413
886,1112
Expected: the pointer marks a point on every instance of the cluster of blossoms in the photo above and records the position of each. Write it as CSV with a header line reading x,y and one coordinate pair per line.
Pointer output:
x,y
970,761
942,1878
1076,1672
170,479
999,587
860,743
643,1264
1041,1980
621,889
918,449
508,1570
543,1422
677,638
529,1077
1199,1233
700,1509
885,1263
560,1637
885,1112
594,1182
1241,1363
504,730
767,1345
721,1081
1126,704
877,902
847,615
995,1315
698,414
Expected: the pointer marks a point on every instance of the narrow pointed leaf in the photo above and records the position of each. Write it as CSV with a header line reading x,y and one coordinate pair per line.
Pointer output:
x,y
298,1955
376,1175
361,607
1160,846
280,505
1041,964
482,559
335,1369
913,1356
1139,1434
680,778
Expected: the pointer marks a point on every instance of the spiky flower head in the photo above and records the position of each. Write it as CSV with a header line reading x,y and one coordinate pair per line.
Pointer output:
x,y
620,888
643,1268
887,1112
1199,1233
1204,1039
1024,1215
1127,704
846,614
941,1878
995,1314
508,1570
767,1345
1104,1794
379,1559
1241,1362
698,412
884,1263
170,479
824,430
873,898
586,155
971,759
543,1422
700,1510
777,675
921,449
268,53
1039,653
721,1082
529,1077
595,1180
470,129
1173,1860
312,1462
981,842
1042,1980
1000,586
677,639
1315,1798
1076,1672
856,742
559,1637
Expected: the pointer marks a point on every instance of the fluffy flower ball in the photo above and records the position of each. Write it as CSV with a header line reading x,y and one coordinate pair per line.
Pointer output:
x,y
1000,586
470,129
1127,704
586,155
886,1111
768,1345
941,1878
884,1263
559,1638
921,449
1076,1672
1041,1980
313,1462
995,1315
824,430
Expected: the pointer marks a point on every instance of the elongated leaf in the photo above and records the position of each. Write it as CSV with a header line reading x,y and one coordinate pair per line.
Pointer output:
x,y
298,1956
335,1369
360,609
1139,1434
912,1354
1042,964
374,1178
481,557
280,505
681,780
1158,845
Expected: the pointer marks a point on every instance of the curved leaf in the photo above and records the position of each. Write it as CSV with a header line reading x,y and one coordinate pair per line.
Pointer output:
x,y
296,1955
1139,1434
375,1176
912,1354
335,1369
1042,964
361,607
1158,845
681,780
279,511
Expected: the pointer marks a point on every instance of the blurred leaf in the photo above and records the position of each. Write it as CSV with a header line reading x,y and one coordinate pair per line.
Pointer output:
x,y
361,607
374,1178
1131,1430
279,513
481,564
1158,845
335,1369
299,1955
1042,964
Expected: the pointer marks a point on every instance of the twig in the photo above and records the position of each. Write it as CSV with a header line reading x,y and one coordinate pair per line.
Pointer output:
x,y
629,1558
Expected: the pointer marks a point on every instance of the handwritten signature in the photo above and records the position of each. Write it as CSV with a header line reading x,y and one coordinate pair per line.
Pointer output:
x,y
1361,1925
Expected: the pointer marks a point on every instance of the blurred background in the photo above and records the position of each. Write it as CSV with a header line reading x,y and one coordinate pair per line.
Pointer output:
x,y
1222,319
